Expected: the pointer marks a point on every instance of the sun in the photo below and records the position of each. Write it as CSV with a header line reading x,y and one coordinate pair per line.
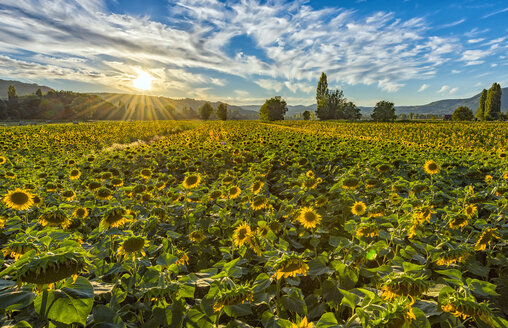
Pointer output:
x,y
143,81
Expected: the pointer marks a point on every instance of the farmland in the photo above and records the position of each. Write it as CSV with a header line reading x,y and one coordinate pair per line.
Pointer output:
x,y
250,224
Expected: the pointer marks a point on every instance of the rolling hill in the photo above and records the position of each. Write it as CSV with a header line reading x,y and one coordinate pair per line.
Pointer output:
x,y
22,89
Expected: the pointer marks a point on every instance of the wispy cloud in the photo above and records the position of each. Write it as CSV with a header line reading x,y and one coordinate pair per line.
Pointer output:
x,y
444,88
496,12
423,87
452,91
458,22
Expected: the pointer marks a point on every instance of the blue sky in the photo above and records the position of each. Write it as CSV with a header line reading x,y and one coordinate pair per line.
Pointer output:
x,y
242,52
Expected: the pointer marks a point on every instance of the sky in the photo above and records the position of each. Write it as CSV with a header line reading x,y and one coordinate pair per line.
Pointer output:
x,y
243,52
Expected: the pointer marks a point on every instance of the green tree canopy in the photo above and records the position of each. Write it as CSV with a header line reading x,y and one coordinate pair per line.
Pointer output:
x,y
351,112
463,113
273,109
493,103
222,111
322,88
12,94
384,111
205,111
38,93
481,106
331,106
306,115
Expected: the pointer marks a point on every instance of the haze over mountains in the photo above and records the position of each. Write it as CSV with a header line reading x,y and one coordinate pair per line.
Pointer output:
x,y
188,108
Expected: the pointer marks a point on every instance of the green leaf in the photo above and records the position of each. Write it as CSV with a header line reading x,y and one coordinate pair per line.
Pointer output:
x,y
482,288
238,310
16,299
421,319
348,277
371,254
327,320
409,267
317,267
452,273
350,300
71,305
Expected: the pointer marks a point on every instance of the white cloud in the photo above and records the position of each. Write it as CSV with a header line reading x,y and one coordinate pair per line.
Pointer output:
x,y
460,21
453,90
443,89
271,85
496,12
387,85
423,87
456,71
475,40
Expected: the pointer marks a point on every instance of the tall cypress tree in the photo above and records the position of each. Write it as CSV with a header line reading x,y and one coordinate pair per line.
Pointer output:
x,y
481,106
322,111
493,102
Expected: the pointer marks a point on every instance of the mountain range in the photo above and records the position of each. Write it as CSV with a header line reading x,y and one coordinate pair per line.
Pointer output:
x,y
22,89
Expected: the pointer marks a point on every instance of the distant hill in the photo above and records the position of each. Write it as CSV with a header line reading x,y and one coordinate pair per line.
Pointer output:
x,y
292,109
22,89
154,107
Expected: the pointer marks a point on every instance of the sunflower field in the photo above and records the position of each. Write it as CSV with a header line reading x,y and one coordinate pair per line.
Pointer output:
x,y
249,224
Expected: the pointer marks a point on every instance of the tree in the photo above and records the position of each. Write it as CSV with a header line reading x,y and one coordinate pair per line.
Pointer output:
x,y
331,105
38,93
351,112
322,88
306,115
273,109
463,113
481,106
222,111
205,111
384,111
493,103
11,93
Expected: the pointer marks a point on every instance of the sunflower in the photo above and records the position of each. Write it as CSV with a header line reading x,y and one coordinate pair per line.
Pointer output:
x,y
116,182
485,239
367,230
16,249
239,294
463,306
10,175
256,187
104,194
489,179
321,201
234,192
470,210
290,267
68,195
3,160
94,185
259,202
18,199
403,285
304,323
309,218
116,217
241,234
145,173
350,183
191,181
54,218
131,245
80,212
74,174
431,167
453,256
310,174
459,221
183,259
216,194
196,236
358,208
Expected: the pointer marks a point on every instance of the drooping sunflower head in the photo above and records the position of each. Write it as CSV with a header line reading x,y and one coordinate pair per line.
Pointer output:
x,y
18,199
290,266
383,168
431,167
241,234
321,201
309,218
453,256
216,194
116,182
196,236
133,244
234,192
94,185
54,218
367,230
350,183
191,181
16,249
51,187
50,268
257,186
145,173
115,217
485,239
403,285
465,306
68,195
459,221
104,194
3,160
396,314
358,208
159,212
238,294
259,202
80,212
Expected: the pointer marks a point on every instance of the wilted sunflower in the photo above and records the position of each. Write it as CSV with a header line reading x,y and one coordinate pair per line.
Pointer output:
x,y
259,202
104,194
74,174
431,167
453,256
115,217
10,175
256,187
358,208
68,195
131,245
396,314
183,259
16,249
309,218
50,268
116,182
463,306
191,181
145,173
18,199
234,192
50,187
239,294
54,218
216,194
80,212
367,230
3,160
485,239
321,201
350,183
196,236
290,267
241,234
459,221
93,185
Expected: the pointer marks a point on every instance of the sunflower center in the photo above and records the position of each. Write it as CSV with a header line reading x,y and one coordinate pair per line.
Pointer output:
x,y
432,166
19,198
310,216
192,179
